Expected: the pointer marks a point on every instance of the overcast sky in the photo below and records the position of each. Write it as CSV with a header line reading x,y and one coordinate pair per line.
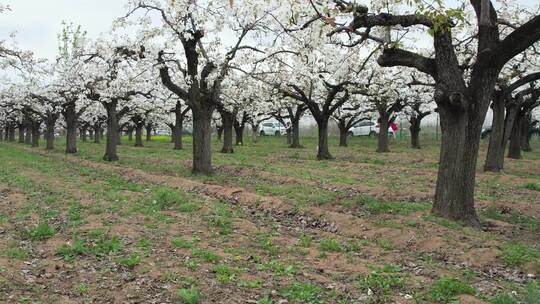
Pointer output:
x,y
37,22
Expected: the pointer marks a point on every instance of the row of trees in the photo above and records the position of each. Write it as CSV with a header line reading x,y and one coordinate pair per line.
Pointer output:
x,y
242,62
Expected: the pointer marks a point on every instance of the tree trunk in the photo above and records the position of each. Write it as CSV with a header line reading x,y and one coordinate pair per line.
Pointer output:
x,y
49,134
178,128
83,134
254,132
382,145
35,136
289,136
11,135
97,133
130,133
415,132
21,134
525,127
91,133
70,117
514,148
454,194
343,130
295,126
139,136
495,153
239,132
323,152
219,132
227,120
28,136
202,140
112,132
148,132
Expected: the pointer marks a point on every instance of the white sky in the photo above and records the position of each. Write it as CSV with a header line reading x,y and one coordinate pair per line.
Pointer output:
x,y
38,22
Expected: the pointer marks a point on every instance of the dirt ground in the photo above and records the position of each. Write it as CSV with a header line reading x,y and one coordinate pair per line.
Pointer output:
x,y
272,225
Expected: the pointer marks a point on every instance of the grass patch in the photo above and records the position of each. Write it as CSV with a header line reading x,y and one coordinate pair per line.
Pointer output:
x,y
382,282
446,290
517,254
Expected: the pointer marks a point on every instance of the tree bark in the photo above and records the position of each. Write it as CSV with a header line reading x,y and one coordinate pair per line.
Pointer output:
x,y
91,133
343,132
112,131
382,144
514,147
97,133
415,132
239,132
11,135
49,134
525,127
70,117
454,194
254,132
178,127
227,119
130,133
495,154
83,133
21,134
149,132
323,151
35,135
295,126
28,136
139,135
202,140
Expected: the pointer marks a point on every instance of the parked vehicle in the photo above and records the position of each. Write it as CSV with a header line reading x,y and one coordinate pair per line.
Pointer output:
x,y
273,128
367,128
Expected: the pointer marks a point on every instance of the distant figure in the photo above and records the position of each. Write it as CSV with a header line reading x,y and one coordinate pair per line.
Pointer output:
x,y
395,128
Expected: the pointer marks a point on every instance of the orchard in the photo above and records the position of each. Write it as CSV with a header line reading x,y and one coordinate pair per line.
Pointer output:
x,y
272,151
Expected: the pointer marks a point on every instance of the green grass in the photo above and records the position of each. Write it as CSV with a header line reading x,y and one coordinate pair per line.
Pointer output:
x,y
517,254
189,296
532,186
41,232
382,283
306,293
446,290
330,245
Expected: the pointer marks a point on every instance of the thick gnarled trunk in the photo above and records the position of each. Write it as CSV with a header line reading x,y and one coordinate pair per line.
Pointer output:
x,y
322,151
227,120
382,143
139,135
454,194
514,147
112,131
295,127
415,133
70,117
202,140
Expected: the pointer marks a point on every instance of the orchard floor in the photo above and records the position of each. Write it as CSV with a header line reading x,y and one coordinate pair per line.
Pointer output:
x,y
272,225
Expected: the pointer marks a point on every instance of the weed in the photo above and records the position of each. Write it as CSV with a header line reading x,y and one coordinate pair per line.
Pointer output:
x,y
303,293
205,254
41,232
381,283
330,245
446,290
517,254
189,296
130,261
532,186
224,273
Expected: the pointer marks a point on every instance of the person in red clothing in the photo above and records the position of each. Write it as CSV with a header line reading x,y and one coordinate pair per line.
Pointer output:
x,y
394,127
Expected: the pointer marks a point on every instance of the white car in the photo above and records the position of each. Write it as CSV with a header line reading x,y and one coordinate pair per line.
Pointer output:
x,y
367,128
272,128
